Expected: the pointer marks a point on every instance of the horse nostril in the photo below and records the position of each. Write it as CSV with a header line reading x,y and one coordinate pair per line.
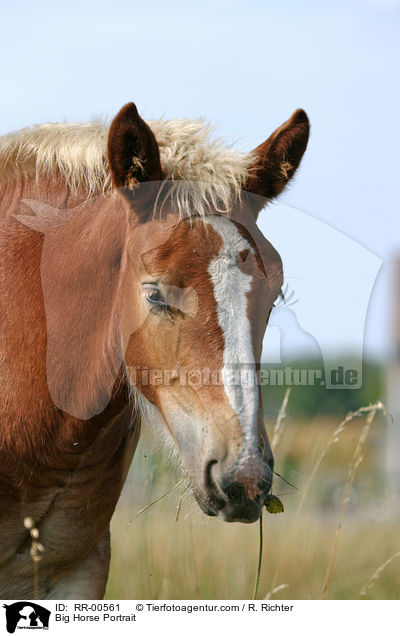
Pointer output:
x,y
235,492
208,474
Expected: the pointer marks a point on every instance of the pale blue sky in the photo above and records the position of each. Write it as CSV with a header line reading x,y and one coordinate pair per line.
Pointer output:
x,y
244,65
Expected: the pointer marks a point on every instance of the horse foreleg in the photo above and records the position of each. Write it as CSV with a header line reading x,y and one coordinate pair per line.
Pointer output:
x,y
88,580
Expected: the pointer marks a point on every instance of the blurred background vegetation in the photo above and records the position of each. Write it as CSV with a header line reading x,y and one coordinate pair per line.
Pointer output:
x,y
307,401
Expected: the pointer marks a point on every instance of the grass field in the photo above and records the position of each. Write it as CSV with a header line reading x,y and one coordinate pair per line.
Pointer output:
x,y
155,556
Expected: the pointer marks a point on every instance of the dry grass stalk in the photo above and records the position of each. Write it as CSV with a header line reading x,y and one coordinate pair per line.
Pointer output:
x,y
179,506
332,440
278,428
377,574
36,553
157,500
354,464
283,586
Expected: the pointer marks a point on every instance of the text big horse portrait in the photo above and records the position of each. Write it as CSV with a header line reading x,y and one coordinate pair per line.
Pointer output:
x,y
129,248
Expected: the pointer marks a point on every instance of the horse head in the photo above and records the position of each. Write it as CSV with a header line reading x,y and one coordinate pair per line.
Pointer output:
x,y
203,284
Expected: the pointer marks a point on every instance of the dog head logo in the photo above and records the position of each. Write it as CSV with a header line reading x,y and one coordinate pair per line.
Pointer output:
x,y
26,615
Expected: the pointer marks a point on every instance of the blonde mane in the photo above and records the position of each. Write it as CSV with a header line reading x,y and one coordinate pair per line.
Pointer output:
x,y
205,172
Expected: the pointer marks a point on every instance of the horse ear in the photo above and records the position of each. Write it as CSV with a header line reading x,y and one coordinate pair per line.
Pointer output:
x,y
133,156
277,159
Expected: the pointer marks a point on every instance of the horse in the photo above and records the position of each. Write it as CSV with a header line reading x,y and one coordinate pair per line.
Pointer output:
x,y
130,259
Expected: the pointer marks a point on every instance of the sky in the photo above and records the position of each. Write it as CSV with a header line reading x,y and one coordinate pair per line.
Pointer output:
x,y
246,66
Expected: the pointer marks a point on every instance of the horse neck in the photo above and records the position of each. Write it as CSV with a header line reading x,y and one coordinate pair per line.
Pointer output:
x,y
25,400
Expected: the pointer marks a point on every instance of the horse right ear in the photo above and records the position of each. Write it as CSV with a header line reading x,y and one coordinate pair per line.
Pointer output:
x,y
133,157
277,159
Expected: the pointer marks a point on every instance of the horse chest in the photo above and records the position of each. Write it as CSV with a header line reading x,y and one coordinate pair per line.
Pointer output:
x,y
73,514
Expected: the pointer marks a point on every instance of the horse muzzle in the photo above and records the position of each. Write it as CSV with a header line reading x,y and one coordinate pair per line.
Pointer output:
x,y
237,494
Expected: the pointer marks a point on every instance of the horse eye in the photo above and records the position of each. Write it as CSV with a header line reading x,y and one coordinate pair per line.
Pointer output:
x,y
154,296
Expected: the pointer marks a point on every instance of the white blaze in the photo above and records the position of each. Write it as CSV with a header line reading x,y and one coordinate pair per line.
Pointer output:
x,y
230,288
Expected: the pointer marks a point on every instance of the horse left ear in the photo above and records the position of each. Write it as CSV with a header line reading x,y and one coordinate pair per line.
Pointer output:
x,y
277,159
133,154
